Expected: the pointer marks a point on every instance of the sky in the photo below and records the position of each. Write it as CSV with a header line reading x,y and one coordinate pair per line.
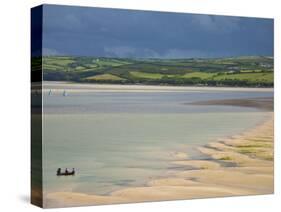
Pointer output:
x,y
101,32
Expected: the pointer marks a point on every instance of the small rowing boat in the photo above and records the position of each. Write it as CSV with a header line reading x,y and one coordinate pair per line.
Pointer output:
x,y
66,173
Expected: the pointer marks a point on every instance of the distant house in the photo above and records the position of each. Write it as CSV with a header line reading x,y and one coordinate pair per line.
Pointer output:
x,y
233,68
266,65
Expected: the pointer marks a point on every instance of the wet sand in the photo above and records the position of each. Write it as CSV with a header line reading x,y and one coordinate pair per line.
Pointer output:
x,y
260,103
237,165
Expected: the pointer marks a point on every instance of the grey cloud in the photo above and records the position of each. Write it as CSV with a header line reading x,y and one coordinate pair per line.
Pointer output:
x,y
50,52
123,33
216,23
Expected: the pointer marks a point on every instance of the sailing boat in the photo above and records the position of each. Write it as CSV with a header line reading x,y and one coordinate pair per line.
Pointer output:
x,y
64,93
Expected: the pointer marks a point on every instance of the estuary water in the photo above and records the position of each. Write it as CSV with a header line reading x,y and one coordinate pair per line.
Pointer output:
x,y
120,139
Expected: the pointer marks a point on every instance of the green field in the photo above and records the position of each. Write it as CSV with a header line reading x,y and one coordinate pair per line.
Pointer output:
x,y
201,75
144,75
105,77
239,71
58,61
253,77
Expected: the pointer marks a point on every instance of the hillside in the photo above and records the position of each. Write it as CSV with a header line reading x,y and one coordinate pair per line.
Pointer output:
x,y
240,71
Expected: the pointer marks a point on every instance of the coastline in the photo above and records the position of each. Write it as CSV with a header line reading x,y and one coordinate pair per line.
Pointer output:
x,y
237,165
58,86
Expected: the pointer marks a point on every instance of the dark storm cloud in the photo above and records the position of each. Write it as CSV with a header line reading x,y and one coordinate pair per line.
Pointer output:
x,y
126,33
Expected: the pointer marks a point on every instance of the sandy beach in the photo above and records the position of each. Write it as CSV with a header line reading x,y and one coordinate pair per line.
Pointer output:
x,y
233,166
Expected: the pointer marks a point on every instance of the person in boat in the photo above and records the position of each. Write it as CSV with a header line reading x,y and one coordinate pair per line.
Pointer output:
x,y
59,171
73,171
66,171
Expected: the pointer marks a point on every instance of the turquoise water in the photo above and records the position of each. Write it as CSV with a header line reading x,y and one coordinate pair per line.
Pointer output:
x,y
116,140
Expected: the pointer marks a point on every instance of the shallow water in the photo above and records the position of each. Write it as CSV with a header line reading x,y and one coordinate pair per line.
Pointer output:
x,y
120,139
